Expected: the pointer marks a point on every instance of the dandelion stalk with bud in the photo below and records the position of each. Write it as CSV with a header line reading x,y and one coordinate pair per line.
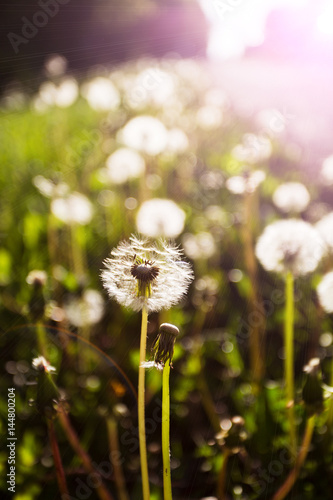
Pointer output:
x,y
146,277
163,353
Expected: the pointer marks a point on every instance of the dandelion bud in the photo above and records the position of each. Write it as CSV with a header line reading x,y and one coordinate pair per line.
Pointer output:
x,y
312,390
37,279
164,344
47,391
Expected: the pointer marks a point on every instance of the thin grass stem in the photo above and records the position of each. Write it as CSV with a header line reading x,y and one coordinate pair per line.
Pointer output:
x,y
222,478
114,448
60,473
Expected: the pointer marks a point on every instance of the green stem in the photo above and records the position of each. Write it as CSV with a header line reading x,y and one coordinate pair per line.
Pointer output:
x,y
41,339
141,406
291,479
166,432
221,483
330,408
289,358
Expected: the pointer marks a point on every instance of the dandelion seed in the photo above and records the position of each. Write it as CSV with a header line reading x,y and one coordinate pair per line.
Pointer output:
x,y
291,197
290,245
325,292
158,217
137,266
144,133
123,165
72,209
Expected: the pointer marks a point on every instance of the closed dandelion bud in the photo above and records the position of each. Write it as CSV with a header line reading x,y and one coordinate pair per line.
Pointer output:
x,y
164,343
47,391
312,390
37,279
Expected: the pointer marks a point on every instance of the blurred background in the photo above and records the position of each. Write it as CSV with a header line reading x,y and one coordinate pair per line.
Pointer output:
x,y
199,121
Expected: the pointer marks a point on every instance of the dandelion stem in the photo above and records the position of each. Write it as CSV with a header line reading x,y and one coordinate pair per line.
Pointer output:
x,y
256,344
289,358
330,408
41,339
141,406
61,477
221,483
166,432
291,479
116,464
74,441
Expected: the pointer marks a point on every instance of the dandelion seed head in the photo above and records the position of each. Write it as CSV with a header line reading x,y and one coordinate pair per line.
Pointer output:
x,y
123,165
144,133
72,209
325,292
50,189
162,264
246,183
62,95
101,94
177,141
326,172
160,217
325,228
253,149
290,245
85,310
291,197
199,246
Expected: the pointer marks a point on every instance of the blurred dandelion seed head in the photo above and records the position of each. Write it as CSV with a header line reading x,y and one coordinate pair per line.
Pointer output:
x,y
290,245
37,278
86,310
291,197
123,165
199,246
325,228
327,171
72,209
101,94
144,133
325,292
159,217
246,183
159,264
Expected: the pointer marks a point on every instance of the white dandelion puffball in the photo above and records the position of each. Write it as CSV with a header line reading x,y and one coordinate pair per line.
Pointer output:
x,y
209,117
246,183
325,292
290,245
199,246
144,133
101,94
138,264
326,172
325,228
72,209
177,141
62,95
159,217
253,149
85,310
124,164
291,197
